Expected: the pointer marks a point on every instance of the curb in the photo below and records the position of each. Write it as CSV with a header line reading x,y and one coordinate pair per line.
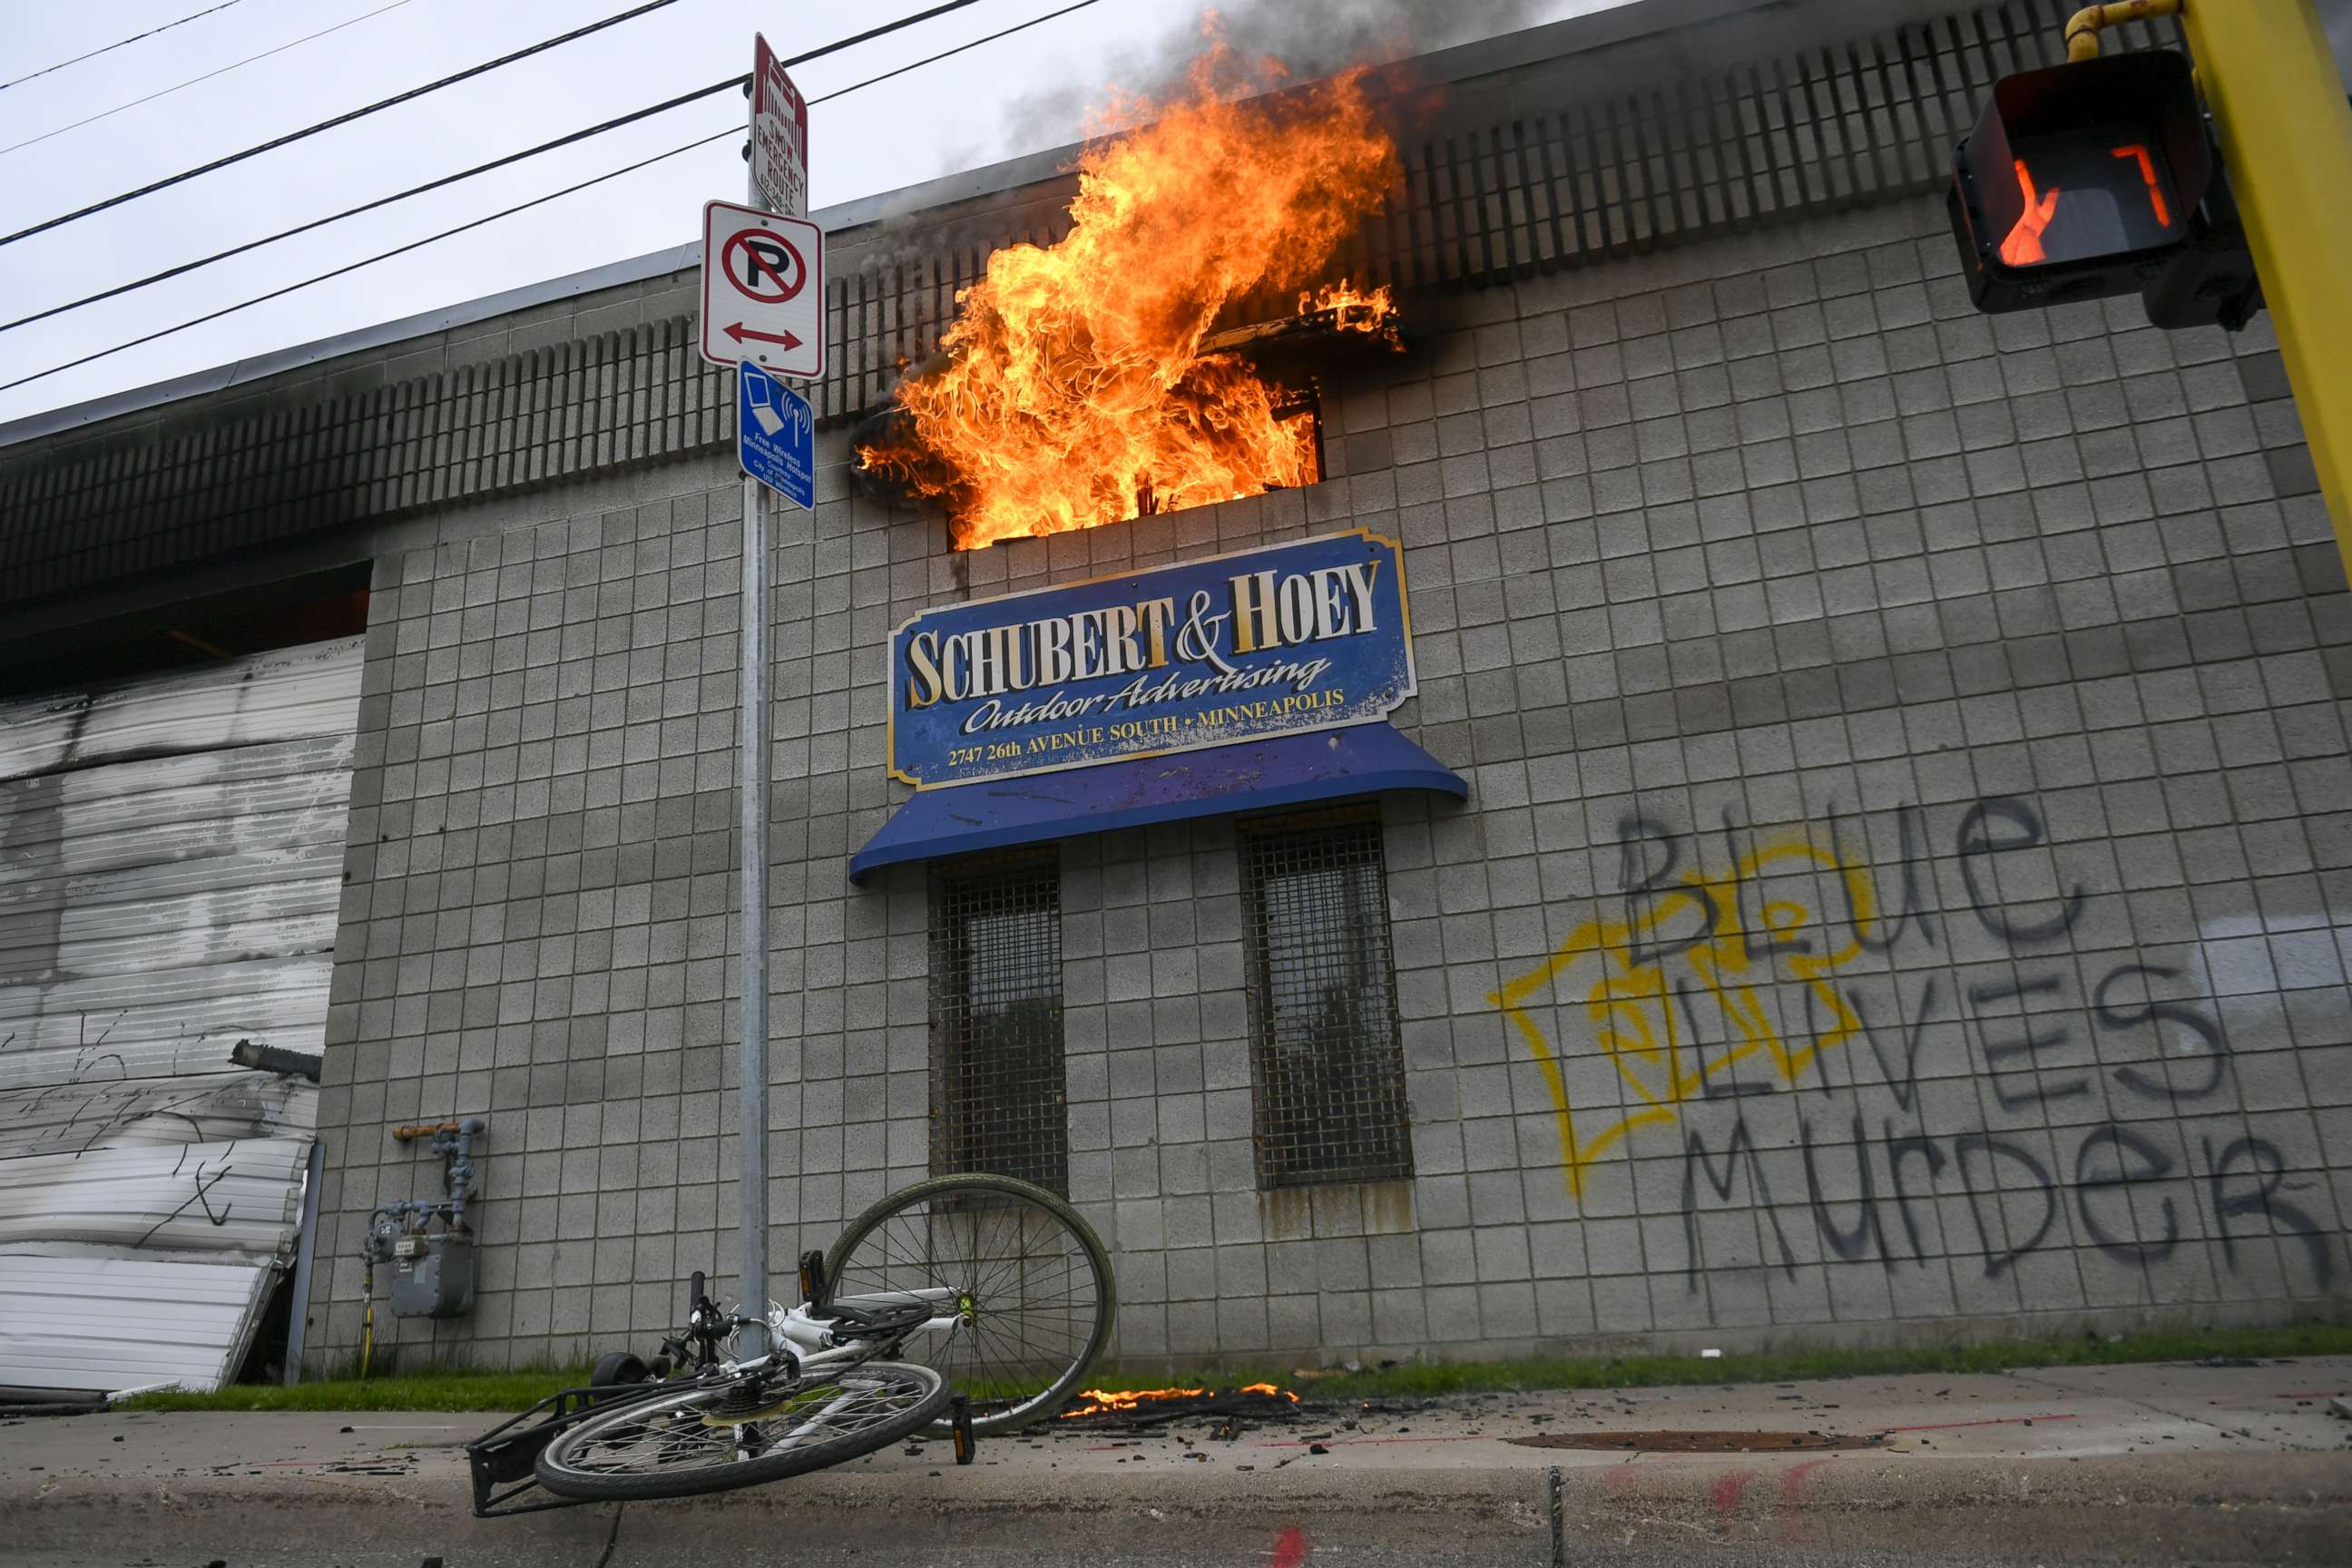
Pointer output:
x,y
2274,1508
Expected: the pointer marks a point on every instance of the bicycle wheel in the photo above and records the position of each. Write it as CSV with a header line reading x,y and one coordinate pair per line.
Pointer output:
x,y
726,1431
1029,1276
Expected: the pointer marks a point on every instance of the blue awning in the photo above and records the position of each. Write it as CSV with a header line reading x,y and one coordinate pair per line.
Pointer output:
x,y
1252,776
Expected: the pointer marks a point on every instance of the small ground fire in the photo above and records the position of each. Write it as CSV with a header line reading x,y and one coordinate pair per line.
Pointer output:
x,y
1077,391
1175,1401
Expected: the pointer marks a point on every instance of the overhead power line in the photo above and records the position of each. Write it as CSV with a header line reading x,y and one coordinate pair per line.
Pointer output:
x,y
223,71
118,43
345,118
551,195
417,92
944,54
564,141
354,267
203,261
868,36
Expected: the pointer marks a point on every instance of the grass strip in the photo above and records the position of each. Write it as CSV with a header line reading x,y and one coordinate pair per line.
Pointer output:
x,y
1429,1379
467,1389
430,1388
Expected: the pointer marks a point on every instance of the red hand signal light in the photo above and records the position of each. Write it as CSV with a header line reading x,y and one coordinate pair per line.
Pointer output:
x,y
2023,245
2123,138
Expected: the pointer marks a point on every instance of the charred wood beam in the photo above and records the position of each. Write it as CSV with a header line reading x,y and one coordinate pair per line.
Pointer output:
x,y
277,1059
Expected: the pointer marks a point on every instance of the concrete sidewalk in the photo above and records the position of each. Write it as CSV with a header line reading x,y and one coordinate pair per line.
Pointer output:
x,y
2161,1463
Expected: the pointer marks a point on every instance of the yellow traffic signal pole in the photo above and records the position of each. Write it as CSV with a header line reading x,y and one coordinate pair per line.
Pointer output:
x,y
2286,131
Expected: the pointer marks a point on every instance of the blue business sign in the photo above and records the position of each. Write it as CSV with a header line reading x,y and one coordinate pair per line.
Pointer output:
x,y
1310,636
775,435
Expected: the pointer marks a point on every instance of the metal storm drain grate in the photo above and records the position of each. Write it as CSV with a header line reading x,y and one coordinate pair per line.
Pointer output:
x,y
1701,1442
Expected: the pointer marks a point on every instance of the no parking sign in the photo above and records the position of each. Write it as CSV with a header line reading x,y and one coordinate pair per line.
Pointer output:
x,y
763,289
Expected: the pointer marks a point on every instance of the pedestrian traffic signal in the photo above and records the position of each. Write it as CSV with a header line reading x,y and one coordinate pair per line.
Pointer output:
x,y
2081,181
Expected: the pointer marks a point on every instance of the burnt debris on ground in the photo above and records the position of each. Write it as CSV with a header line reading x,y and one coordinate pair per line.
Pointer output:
x,y
1146,1409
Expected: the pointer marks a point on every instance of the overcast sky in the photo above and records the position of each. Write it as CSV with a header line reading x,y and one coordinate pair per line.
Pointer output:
x,y
1012,96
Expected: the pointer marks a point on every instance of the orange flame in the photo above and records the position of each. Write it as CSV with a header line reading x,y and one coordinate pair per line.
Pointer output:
x,y
1075,393
1353,311
1270,1392
1097,1401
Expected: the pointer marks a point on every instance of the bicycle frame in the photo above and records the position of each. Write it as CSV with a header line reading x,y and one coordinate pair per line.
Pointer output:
x,y
502,1457
817,1344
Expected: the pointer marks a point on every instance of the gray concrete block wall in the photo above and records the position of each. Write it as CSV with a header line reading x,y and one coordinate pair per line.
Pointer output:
x,y
1905,889
537,919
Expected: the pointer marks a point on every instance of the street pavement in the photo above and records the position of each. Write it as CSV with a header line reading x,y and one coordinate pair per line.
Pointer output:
x,y
2247,1463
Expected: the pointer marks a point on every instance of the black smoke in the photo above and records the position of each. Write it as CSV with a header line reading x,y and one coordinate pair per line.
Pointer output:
x,y
1311,37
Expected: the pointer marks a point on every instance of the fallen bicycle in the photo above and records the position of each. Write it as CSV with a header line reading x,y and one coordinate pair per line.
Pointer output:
x,y
997,1294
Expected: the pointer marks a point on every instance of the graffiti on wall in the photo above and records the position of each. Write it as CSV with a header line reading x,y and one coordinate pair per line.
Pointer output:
x,y
1734,965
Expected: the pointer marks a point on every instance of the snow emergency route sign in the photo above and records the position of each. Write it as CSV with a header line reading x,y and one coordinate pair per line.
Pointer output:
x,y
779,135
763,289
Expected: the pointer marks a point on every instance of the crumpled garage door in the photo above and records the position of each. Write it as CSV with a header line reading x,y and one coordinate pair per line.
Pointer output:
x,y
171,868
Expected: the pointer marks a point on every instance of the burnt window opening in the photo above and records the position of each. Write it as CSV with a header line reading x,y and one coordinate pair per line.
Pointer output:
x,y
1327,1064
1296,406
1242,417
185,631
999,1093
1297,402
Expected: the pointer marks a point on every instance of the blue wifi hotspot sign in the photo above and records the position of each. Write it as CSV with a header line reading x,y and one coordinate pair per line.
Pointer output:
x,y
775,435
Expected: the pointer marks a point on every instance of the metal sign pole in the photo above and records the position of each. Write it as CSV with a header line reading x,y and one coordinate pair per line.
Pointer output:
x,y
752,788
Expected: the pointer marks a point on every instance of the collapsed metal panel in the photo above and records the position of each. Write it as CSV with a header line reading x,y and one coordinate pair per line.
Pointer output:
x,y
72,1321
242,1197
171,873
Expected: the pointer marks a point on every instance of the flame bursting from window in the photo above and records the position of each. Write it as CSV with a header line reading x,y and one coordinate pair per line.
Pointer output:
x,y
1075,392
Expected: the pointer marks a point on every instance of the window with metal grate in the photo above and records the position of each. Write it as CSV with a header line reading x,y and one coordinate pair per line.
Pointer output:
x,y
998,1090
1327,1065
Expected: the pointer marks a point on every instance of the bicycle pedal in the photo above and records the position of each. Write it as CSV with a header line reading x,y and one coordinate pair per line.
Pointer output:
x,y
812,1278
960,1424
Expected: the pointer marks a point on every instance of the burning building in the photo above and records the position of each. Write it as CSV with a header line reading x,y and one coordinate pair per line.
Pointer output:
x,y
1079,384
1468,700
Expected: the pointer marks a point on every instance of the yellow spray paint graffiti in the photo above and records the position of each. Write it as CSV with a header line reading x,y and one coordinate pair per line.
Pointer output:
x,y
1689,948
